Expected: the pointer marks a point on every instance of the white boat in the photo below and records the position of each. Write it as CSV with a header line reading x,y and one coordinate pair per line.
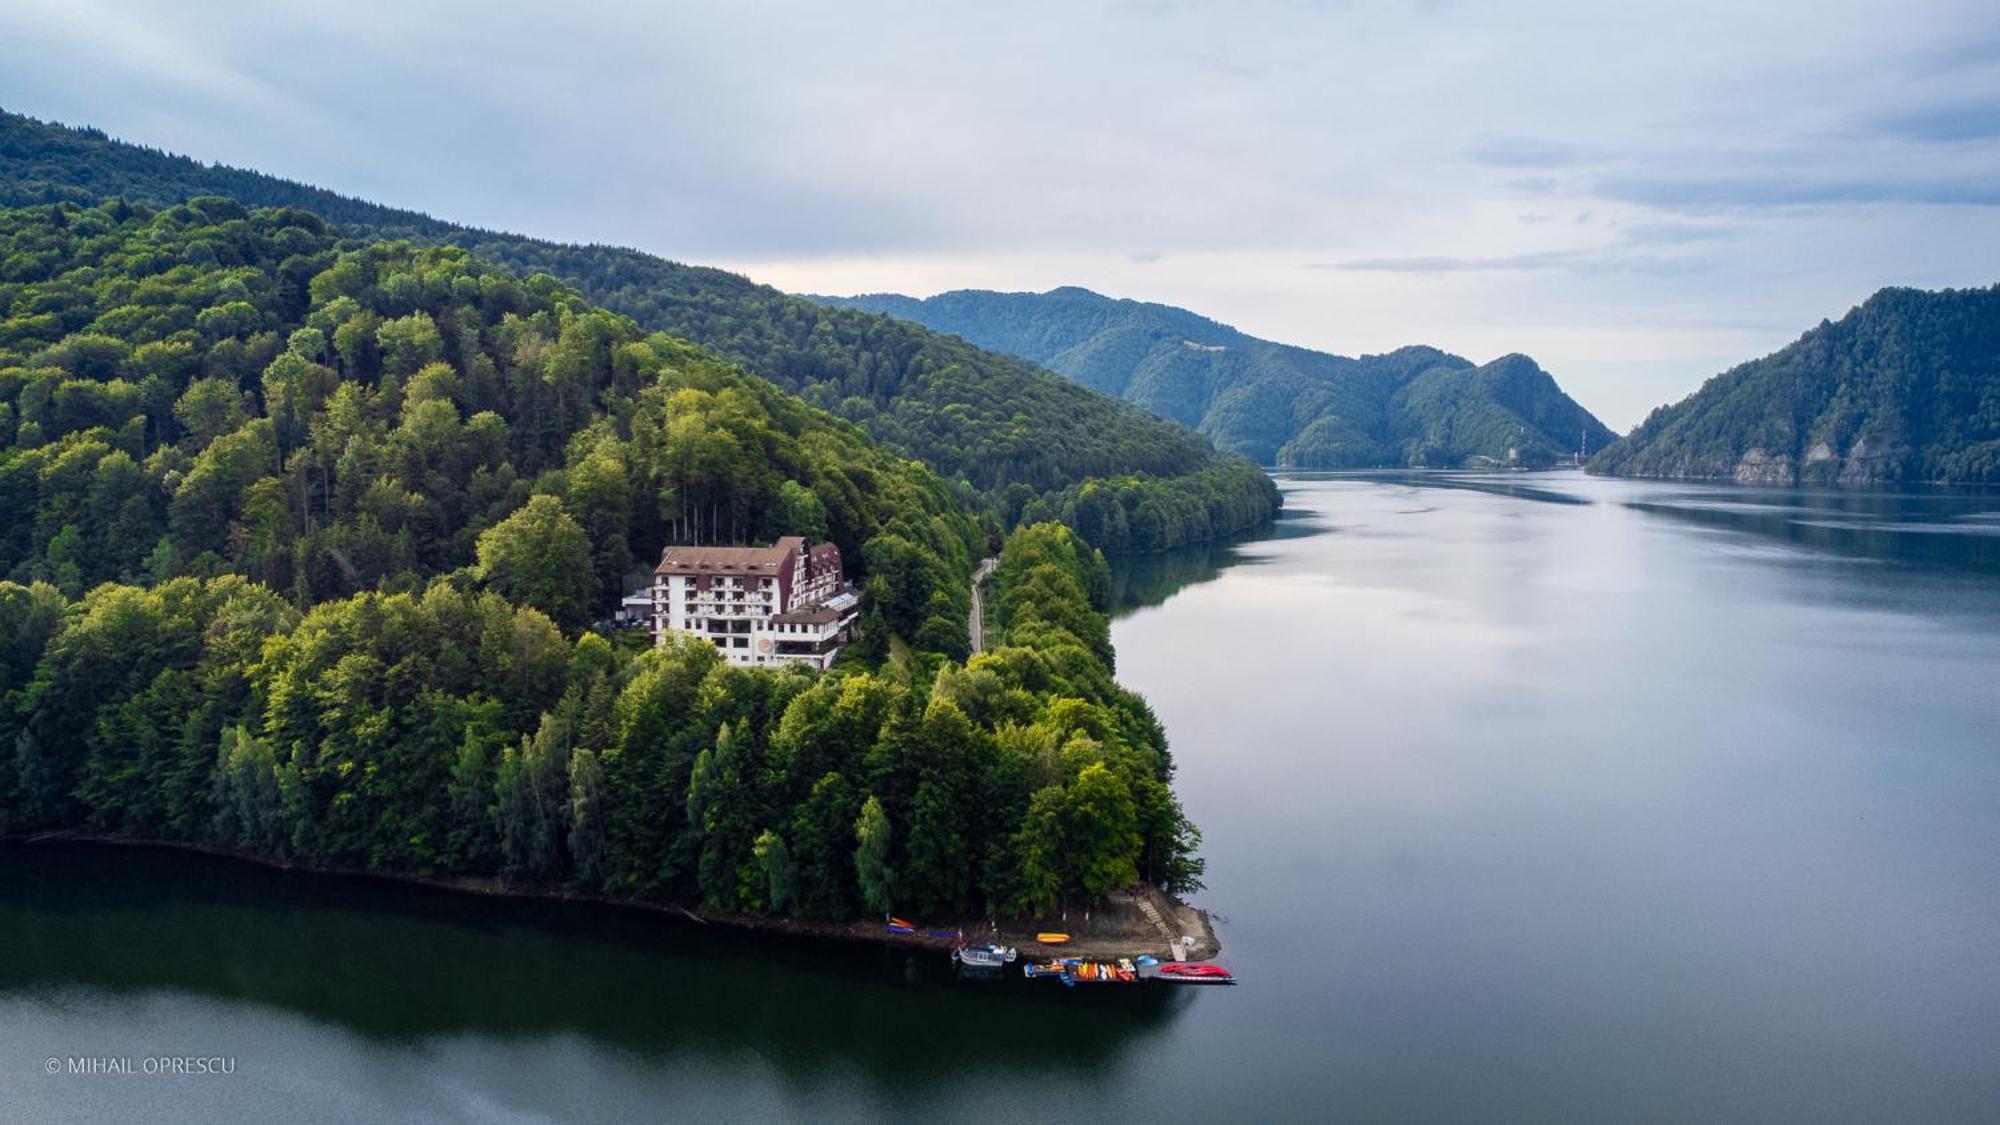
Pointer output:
x,y
984,956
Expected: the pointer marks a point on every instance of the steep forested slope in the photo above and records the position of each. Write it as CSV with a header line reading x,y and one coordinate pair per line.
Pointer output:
x,y
1905,387
298,536
1024,440
208,389
1277,404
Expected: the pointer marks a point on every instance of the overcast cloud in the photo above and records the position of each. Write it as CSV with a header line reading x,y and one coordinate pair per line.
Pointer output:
x,y
1636,198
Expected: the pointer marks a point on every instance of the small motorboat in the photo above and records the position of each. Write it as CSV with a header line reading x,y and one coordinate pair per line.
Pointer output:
x,y
1191,972
1051,939
985,956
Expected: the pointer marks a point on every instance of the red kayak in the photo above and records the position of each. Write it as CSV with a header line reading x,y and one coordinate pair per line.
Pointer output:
x,y
1193,972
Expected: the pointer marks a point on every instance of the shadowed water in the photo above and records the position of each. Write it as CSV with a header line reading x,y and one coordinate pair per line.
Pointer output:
x,y
1543,799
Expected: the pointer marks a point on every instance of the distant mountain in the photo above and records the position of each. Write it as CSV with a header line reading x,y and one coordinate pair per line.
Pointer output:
x,y
1277,404
1904,388
1025,441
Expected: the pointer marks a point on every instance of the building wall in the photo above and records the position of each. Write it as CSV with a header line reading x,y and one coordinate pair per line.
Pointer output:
x,y
735,611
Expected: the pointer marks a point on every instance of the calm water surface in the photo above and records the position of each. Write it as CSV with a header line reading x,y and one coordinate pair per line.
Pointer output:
x,y
1526,799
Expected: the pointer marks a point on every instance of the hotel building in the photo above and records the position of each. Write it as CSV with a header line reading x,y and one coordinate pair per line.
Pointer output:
x,y
761,606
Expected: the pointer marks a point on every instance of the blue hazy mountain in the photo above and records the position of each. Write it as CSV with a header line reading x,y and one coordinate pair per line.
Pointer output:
x,y
1281,405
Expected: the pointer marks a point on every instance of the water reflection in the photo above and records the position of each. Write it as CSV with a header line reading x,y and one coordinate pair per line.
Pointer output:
x,y
1954,528
1579,810
1138,581
401,963
1930,528
1518,486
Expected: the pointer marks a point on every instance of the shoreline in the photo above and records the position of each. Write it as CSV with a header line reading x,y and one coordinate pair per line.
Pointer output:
x,y
1120,929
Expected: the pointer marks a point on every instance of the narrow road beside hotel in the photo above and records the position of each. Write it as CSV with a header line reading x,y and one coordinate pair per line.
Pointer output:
x,y
976,626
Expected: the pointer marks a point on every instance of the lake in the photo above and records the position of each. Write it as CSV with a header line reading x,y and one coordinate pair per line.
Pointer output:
x,y
1526,798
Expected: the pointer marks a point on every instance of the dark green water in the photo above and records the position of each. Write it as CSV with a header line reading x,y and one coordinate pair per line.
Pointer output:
x,y
1554,799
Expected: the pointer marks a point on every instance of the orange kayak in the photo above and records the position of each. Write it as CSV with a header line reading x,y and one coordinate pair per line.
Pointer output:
x,y
1052,939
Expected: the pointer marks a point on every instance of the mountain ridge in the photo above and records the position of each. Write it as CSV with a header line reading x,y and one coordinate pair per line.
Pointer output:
x,y
1026,442
1903,388
1278,404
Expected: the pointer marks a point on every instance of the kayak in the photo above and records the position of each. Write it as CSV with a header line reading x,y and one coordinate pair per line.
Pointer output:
x,y
1052,939
1072,971
1192,972
900,928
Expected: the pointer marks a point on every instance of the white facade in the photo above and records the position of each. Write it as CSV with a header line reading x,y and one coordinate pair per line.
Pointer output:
x,y
760,606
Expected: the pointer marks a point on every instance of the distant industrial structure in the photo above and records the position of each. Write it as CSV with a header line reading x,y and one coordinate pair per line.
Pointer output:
x,y
788,603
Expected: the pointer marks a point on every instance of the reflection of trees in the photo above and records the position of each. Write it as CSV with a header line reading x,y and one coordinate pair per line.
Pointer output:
x,y
391,961
1138,581
1935,528
1511,484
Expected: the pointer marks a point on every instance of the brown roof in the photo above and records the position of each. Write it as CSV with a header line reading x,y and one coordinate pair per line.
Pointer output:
x,y
729,560
813,615
822,557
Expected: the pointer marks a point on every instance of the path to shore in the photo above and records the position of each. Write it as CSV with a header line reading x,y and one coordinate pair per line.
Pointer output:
x,y
976,626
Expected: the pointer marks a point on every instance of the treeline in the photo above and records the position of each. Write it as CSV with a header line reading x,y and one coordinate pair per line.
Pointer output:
x,y
1904,388
448,732
1146,515
206,390
991,424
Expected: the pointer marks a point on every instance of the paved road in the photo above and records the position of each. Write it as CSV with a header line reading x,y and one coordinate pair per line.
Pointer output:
x,y
976,627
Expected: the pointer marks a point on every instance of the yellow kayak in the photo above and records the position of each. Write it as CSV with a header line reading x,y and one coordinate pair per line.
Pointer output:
x,y
1052,939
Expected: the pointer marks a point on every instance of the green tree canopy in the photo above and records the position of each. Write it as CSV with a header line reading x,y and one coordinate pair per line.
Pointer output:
x,y
540,556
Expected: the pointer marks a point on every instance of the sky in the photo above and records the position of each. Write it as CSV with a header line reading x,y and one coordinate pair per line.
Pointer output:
x,y
1637,195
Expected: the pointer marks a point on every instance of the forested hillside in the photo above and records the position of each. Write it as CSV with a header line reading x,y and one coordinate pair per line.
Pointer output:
x,y
208,390
299,536
1904,388
1023,439
1279,405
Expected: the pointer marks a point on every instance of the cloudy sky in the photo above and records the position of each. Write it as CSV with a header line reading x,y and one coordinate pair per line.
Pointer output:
x,y
1636,198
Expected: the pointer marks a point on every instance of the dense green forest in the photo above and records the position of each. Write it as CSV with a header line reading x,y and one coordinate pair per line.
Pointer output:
x,y
1904,388
207,390
301,535
445,731
1280,405
1025,441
